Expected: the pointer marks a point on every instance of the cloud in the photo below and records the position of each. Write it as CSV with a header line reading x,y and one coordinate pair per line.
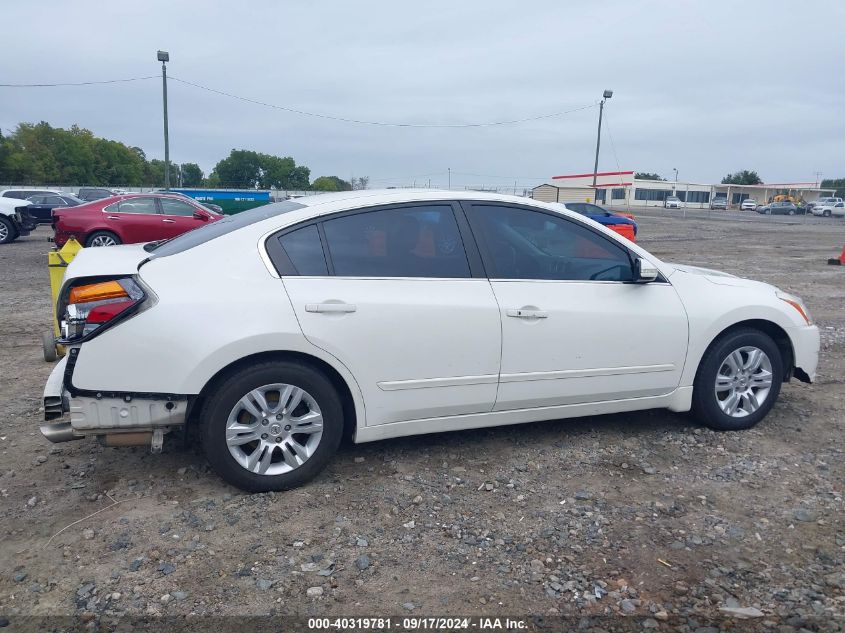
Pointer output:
x,y
707,87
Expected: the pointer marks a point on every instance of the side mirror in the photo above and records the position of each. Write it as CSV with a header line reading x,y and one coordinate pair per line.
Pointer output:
x,y
199,215
644,271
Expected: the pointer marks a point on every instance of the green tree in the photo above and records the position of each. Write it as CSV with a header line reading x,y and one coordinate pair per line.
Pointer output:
x,y
835,183
41,154
743,177
154,173
644,175
191,175
240,170
245,169
330,183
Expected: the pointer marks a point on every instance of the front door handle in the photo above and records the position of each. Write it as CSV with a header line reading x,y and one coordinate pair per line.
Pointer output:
x,y
527,313
330,307
112,217
168,221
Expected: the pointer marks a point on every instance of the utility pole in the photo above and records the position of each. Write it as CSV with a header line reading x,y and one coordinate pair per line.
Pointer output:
x,y
607,94
449,169
164,57
818,175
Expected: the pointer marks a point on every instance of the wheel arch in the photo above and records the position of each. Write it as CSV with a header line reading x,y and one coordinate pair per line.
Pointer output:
x,y
350,407
773,331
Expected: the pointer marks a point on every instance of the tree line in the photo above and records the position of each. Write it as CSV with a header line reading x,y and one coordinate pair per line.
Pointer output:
x,y
37,153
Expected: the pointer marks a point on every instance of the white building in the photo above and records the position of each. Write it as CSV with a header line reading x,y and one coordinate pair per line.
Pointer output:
x,y
620,188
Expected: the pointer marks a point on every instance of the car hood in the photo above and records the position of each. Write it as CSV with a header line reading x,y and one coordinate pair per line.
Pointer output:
x,y
8,204
107,260
717,277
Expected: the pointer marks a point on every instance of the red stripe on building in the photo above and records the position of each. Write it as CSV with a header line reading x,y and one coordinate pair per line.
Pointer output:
x,y
601,173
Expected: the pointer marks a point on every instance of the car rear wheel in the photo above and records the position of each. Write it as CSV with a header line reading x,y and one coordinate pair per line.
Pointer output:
x,y
272,426
826,214
738,380
7,231
102,238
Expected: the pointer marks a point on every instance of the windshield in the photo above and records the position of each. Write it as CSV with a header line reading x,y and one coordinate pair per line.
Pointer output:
x,y
213,230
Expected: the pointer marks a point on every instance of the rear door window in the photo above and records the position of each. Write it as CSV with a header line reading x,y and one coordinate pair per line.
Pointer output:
x,y
412,241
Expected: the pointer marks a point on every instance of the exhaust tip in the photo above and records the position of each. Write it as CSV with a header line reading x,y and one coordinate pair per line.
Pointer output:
x,y
57,433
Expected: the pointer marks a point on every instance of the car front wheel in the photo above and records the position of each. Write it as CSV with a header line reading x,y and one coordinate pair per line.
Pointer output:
x,y
272,426
7,231
738,380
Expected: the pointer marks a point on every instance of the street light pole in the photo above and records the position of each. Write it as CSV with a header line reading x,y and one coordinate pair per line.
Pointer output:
x,y
676,173
607,94
164,57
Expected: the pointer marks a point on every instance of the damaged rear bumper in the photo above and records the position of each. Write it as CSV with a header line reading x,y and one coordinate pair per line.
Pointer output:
x,y
104,413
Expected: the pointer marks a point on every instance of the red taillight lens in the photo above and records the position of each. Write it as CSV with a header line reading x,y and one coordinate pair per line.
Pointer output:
x,y
89,307
106,312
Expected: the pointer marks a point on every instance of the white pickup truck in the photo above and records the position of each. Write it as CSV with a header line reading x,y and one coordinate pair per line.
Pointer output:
x,y
830,207
14,219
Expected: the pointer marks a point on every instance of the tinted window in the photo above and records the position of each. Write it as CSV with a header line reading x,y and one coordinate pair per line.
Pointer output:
x,y
136,205
176,207
37,199
419,241
523,244
212,230
578,207
20,195
54,200
305,251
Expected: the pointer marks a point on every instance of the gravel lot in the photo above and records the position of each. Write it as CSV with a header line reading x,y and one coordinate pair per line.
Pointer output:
x,y
645,515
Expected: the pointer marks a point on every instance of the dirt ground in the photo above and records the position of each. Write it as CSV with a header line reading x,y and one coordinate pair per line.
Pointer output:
x,y
645,518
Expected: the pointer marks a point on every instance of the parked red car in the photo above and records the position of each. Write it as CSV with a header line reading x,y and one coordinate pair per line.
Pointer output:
x,y
131,218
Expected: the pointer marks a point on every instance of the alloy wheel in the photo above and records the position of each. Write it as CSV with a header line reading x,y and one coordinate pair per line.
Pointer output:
x,y
4,232
743,381
274,429
103,240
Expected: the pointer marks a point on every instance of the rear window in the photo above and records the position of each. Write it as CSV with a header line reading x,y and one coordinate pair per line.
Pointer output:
x,y
226,225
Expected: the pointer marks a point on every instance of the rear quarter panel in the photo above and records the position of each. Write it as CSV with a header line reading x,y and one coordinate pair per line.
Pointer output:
x,y
215,304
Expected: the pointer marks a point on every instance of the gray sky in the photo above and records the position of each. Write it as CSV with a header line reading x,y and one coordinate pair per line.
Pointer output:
x,y
709,87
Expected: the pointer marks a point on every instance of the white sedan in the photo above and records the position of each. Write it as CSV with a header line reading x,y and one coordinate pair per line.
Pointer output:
x,y
382,314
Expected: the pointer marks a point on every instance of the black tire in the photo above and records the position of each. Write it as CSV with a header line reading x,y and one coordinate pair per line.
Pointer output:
x,y
230,389
826,214
9,233
705,406
90,241
48,345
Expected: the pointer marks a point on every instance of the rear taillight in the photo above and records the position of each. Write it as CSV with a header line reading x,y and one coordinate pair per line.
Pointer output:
x,y
87,308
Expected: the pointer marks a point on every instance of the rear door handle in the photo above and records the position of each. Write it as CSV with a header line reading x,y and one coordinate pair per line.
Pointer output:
x,y
523,313
169,221
330,307
112,217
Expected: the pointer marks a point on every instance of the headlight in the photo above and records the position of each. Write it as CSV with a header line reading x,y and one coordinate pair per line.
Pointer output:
x,y
796,303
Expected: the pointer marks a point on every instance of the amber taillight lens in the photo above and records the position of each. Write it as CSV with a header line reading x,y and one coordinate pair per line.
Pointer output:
x,y
92,306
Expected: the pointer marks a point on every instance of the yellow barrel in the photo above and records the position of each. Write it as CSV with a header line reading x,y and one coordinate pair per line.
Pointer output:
x,y
57,261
